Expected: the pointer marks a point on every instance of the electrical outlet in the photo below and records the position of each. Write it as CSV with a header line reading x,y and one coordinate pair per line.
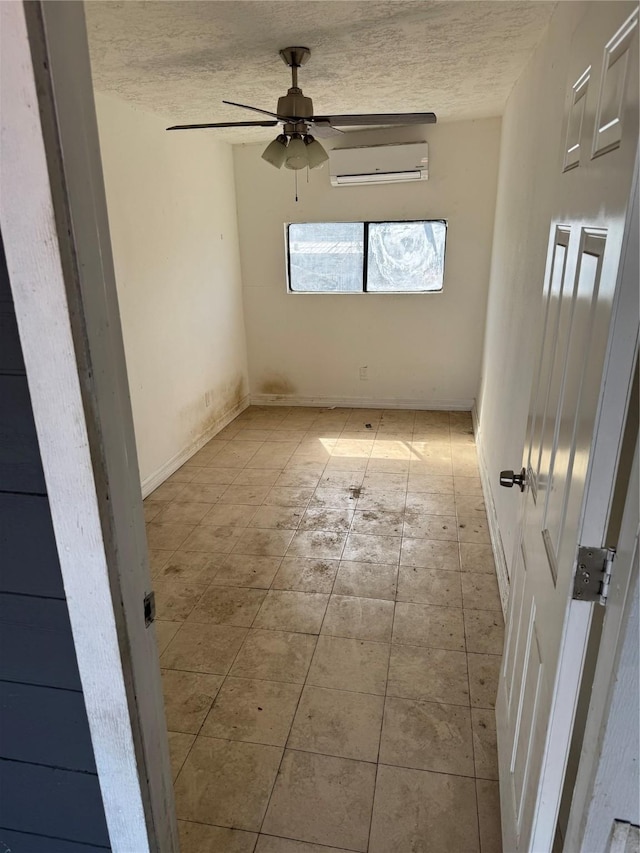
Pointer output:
x,y
364,373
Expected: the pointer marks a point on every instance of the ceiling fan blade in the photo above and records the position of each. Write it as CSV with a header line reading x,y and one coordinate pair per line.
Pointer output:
x,y
378,118
258,110
325,131
224,124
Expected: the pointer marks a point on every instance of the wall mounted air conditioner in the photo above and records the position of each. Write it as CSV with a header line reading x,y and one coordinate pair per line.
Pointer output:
x,y
379,164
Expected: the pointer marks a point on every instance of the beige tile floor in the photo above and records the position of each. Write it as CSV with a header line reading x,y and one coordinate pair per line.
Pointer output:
x,y
330,634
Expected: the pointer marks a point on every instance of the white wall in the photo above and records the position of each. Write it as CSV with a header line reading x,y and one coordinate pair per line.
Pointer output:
x,y
419,349
529,156
172,216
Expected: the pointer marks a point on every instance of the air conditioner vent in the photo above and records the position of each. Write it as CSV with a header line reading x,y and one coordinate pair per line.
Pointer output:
x,y
379,164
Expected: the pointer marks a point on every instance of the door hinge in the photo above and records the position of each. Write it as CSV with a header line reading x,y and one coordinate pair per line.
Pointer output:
x,y
593,574
149,608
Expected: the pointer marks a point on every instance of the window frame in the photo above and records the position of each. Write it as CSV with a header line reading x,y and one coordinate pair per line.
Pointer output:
x,y
365,259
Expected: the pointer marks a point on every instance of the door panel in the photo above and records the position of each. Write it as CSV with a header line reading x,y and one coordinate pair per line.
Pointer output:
x,y
513,632
552,317
611,112
575,122
586,300
560,348
527,756
546,632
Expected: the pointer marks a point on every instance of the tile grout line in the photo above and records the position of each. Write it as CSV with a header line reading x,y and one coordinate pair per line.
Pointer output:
x,y
386,683
288,748
293,716
473,745
340,689
225,677
305,684
328,689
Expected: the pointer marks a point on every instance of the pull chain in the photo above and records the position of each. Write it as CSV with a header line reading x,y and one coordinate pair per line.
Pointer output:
x,y
296,174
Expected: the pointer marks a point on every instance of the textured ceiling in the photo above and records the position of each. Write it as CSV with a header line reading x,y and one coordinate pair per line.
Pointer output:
x,y
180,59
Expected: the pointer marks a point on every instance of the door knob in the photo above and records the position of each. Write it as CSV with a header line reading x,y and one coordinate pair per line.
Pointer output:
x,y
509,479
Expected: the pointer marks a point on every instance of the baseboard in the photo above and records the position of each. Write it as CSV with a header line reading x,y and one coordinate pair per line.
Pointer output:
x,y
492,518
360,403
171,466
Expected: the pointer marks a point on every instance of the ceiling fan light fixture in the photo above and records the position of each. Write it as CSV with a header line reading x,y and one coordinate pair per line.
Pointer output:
x,y
276,151
316,155
296,157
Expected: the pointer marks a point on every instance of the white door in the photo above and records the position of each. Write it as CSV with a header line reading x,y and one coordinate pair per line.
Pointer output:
x,y
563,504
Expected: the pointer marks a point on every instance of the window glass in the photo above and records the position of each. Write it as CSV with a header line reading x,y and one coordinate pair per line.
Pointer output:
x,y
405,257
401,257
326,257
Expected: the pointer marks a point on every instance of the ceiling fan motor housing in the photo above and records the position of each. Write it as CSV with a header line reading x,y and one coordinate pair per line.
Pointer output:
x,y
295,105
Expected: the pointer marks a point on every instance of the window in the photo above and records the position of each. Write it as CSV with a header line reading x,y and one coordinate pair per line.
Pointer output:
x,y
366,257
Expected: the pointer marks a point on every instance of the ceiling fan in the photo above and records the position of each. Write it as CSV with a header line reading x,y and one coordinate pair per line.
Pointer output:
x,y
295,147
